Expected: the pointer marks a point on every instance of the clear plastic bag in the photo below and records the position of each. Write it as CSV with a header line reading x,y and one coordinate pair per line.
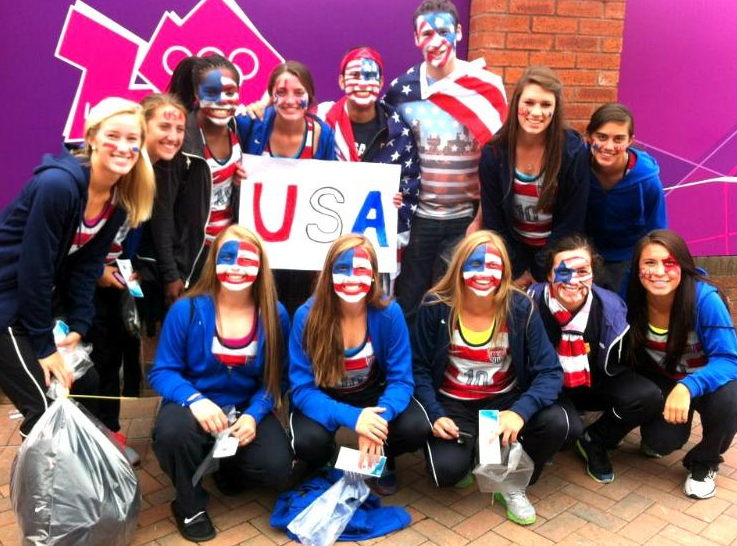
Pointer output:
x,y
322,522
512,474
76,360
70,485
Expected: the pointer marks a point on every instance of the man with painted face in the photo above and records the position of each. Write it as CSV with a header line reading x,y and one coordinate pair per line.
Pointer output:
x,y
453,108
587,324
368,129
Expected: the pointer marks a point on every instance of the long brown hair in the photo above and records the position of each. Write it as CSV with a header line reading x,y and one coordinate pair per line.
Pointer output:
x,y
299,71
555,136
683,312
450,288
323,336
264,294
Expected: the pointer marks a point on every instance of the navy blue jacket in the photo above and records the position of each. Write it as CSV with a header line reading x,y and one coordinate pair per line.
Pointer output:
x,y
613,327
569,211
539,375
36,232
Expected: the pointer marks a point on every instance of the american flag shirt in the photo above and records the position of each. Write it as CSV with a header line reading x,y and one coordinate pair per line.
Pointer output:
x,y
532,226
693,357
221,208
360,369
88,229
451,120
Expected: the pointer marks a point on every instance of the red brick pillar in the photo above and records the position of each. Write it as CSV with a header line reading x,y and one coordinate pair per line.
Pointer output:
x,y
580,39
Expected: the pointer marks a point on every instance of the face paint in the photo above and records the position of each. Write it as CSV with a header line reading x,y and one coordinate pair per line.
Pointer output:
x,y
435,35
218,95
572,279
290,97
362,80
352,274
237,264
660,271
482,270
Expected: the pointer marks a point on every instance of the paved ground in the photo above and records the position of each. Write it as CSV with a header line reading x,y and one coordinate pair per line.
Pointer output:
x,y
644,504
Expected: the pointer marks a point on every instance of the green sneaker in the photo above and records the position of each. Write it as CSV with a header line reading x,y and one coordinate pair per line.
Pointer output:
x,y
519,508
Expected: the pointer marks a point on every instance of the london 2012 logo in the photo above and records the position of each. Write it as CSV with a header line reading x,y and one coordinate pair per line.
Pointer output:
x,y
116,62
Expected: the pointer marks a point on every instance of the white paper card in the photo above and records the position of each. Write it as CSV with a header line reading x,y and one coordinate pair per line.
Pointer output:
x,y
126,269
348,462
225,446
489,452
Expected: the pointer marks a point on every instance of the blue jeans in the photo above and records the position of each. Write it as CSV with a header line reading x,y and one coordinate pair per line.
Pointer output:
x,y
431,245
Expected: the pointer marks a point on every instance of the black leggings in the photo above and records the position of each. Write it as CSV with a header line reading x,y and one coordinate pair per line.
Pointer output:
x,y
542,436
181,445
627,400
718,411
22,378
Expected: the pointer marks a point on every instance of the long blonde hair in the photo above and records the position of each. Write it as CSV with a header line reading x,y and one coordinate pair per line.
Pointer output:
x,y
323,336
137,188
450,288
264,294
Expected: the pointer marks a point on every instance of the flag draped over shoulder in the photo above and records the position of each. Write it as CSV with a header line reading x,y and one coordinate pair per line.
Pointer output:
x,y
471,94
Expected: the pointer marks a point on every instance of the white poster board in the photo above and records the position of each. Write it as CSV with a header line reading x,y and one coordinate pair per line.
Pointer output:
x,y
300,206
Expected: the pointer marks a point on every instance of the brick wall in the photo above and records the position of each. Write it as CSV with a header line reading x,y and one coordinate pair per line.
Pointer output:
x,y
580,39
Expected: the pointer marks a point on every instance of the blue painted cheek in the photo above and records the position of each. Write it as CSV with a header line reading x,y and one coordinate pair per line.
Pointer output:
x,y
228,253
344,263
443,21
562,273
475,262
210,87
369,70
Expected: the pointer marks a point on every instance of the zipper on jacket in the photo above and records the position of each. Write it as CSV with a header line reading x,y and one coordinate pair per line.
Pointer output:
x,y
204,228
617,340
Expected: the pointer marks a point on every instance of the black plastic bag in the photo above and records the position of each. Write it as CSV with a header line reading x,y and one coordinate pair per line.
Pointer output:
x,y
70,485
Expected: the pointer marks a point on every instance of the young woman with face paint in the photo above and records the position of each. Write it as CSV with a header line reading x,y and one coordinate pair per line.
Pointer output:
x,y
53,240
534,185
222,346
626,196
587,325
112,344
478,343
682,337
199,190
350,365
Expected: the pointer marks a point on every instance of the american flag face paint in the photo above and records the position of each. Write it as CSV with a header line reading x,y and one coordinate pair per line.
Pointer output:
x,y
482,270
116,145
435,35
352,274
122,147
218,95
237,264
609,144
660,271
290,97
572,278
362,80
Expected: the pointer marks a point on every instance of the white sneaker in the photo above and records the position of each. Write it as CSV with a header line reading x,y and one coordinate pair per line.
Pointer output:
x,y
700,483
519,508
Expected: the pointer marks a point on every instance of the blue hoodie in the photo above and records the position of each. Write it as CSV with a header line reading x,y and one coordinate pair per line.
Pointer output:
x,y
185,367
620,217
36,232
715,330
390,340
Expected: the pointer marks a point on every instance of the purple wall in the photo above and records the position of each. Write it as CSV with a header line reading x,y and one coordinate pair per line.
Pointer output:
x,y
678,76
40,88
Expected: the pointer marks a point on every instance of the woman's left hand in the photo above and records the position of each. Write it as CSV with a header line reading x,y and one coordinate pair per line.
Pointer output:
x,y
677,404
70,342
244,429
509,426
239,175
371,452
397,199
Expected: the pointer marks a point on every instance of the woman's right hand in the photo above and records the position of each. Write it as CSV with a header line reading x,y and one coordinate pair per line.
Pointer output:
x,y
108,278
445,428
524,281
255,110
209,415
54,365
172,291
371,425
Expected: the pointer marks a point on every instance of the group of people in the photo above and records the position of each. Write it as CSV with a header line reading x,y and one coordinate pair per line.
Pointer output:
x,y
504,215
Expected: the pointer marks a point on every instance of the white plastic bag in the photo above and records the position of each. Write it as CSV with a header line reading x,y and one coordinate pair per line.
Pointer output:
x,y
322,522
70,485
512,474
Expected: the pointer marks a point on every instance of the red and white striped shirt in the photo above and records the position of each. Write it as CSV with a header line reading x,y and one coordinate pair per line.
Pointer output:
x,y
116,248
532,226
221,208
691,360
307,150
475,372
360,368
235,352
87,230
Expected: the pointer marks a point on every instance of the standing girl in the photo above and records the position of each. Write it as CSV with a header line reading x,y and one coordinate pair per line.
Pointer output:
x,y
478,343
625,193
53,240
534,187
683,339
350,365
221,346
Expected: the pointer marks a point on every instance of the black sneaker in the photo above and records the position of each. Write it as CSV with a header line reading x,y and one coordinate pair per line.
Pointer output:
x,y
196,528
598,465
228,486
